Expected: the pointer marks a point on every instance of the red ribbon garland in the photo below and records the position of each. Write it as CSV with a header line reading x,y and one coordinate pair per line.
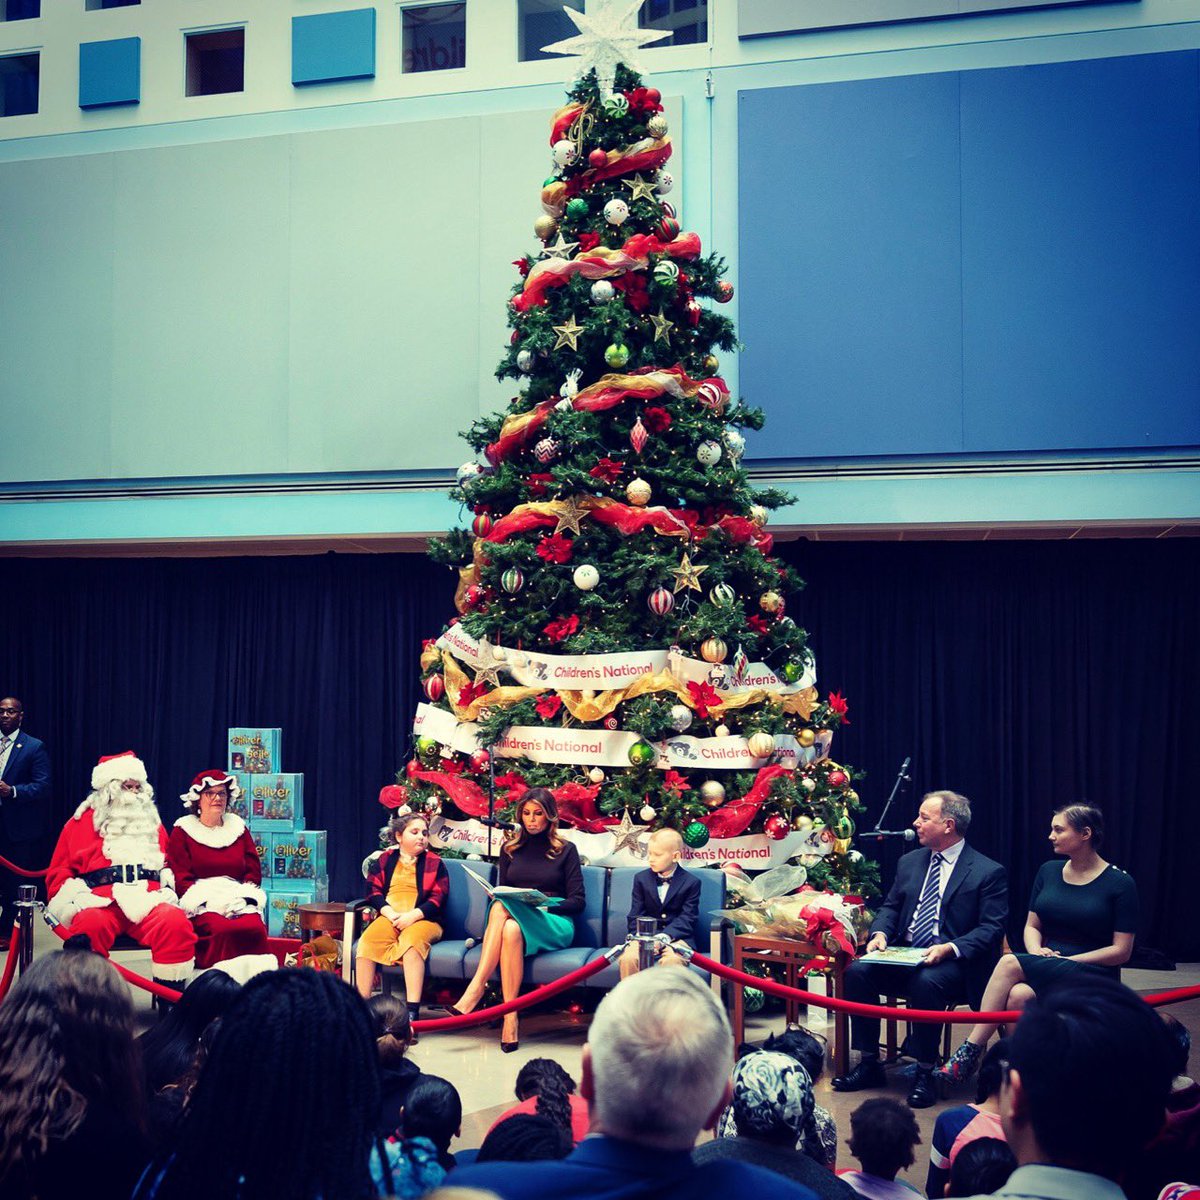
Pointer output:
x,y
734,818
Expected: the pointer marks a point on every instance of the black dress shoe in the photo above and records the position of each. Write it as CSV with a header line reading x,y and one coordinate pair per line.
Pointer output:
x,y
868,1074
451,1011
924,1089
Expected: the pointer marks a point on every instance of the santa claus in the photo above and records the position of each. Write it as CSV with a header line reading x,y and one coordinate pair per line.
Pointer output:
x,y
108,874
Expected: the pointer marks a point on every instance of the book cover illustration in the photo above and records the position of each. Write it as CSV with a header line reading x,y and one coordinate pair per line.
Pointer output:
x,y
262,843
277,802
298,855
283,905
241,806
255,751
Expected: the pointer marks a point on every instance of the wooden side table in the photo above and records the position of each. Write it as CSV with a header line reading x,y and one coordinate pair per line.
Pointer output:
x,y
793,954
321,918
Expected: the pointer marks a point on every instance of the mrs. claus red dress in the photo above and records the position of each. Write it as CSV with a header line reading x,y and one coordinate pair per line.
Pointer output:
x,y
217,877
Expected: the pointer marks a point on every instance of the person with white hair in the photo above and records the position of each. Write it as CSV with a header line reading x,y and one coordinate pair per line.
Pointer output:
x,y
108,873
656,1071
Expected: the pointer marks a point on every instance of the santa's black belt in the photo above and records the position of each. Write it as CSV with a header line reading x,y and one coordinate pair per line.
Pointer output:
x,y
122,873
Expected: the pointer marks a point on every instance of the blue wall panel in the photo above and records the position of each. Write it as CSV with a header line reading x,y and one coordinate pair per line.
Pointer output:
x,y
1012,269
849,267
336,45
110,72
1081,254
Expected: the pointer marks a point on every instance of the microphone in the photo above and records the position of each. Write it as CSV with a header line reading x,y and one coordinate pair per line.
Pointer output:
x,y
471,942
904,768
907,835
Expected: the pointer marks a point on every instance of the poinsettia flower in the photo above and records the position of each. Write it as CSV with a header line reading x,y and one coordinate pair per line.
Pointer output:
x,y
555,548
470,693
704,697
837,702
636,294
656,419
427,642
757,622
607,471
588,241
548,705
451,766
673,781
538,481
642,99
522,265
563,628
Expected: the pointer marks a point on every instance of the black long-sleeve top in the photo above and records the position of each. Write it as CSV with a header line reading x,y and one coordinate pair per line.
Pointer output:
x,y
560,875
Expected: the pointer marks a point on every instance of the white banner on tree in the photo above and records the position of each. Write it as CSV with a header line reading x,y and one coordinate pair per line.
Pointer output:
x,y
754,850
611,672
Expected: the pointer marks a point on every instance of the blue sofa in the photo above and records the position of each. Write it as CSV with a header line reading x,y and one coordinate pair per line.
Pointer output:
x,y
602,923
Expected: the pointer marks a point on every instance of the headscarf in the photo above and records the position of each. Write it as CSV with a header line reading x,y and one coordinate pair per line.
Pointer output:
x,y
772,1093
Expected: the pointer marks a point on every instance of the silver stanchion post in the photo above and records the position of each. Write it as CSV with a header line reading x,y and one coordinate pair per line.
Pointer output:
x,y
27,903
645,935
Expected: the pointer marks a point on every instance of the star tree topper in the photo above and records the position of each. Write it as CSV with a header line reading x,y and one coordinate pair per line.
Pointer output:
x,y
608,35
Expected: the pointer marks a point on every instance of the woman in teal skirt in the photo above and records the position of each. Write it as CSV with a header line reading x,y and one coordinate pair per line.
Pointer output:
x,y
1083,916
533,856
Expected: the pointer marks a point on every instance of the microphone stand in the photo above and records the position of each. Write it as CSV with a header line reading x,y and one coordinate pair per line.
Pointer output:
x,y
901,778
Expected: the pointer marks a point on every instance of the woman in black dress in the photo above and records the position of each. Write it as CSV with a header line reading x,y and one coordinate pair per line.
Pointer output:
x,y
1083,916
533,856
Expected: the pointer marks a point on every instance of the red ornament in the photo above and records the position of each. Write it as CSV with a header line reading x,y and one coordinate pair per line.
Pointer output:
x,y
598,158
692,311
482,525
610,722
475,596
667,229
724,292
393,796
668,209
435,687
479,761
653,96
638,436
775,827
837,779
514,337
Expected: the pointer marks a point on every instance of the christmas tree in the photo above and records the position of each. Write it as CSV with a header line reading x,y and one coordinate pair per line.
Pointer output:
x,y
623,636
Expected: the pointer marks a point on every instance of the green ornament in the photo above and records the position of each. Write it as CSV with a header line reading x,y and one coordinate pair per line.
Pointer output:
x,y
616,105
641,754
695,835
792,671
843,828
753,999
617,355
549,180
722,595
428,748
577,208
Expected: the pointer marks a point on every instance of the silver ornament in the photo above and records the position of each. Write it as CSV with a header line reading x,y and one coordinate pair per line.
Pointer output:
x,y
708,454
734,442
602,291
525,360
681,717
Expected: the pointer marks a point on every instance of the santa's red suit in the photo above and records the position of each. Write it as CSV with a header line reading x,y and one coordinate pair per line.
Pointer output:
x,y
108,873
217,873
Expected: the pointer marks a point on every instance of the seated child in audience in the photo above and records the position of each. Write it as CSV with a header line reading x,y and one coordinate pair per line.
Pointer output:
x,y
544,1088
961,1125
982,1167
397,1072
524,1138
882,1136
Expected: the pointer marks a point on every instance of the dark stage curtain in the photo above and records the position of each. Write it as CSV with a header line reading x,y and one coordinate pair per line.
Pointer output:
x,y
1024,674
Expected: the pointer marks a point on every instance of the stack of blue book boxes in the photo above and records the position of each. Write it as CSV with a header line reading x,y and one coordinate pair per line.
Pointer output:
x,y
294,866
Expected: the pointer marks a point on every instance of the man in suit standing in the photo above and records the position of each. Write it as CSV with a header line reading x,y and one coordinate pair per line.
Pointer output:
x,y
952,902
656,1071
24,796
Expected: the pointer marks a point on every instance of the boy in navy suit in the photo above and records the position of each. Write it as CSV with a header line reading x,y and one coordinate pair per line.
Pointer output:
x,y
667,893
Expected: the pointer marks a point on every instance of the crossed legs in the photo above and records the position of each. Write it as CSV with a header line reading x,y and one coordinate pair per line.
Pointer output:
x,y
504,946
1006,991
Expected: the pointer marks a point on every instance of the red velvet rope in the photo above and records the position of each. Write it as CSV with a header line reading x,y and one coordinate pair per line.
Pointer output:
x,y
10,967
482,1015
898,1014
9,866
147,985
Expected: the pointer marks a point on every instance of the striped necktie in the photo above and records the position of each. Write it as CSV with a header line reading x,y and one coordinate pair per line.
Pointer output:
x,y
926,915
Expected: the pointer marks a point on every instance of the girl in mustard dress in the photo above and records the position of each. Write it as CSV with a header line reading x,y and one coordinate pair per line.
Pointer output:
x,y
408,887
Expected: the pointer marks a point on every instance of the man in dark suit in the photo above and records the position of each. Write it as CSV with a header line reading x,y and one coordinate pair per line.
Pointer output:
x,y
656,1071
952,902
666,893
24,797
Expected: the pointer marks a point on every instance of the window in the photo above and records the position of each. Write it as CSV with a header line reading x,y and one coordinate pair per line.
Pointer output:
x,y
685,20
18,85
93,5
541,22
20,10
434,37
216,62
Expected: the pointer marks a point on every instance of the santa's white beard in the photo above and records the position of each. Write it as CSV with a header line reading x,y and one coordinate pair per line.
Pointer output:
x,y
128,824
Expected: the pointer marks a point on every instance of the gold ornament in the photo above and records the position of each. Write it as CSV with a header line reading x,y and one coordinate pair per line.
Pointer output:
x,y
711,363
545,227
841,845
641,188
759,515
638,493
806,737
802,824
713,650
771,602
712,793
721,731
687,575
569,513
487,667
662,327
568,333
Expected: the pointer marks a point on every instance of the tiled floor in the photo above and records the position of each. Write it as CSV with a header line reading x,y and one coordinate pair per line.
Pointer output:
x,y
484,1076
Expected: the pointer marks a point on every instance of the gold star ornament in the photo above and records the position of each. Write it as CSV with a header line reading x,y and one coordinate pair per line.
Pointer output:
x,y
568,333
628,836
569,513
662,327
487,665
642,188
687,575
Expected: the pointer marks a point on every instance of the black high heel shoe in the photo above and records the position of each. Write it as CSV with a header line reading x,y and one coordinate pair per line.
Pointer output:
x,y
509,1047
